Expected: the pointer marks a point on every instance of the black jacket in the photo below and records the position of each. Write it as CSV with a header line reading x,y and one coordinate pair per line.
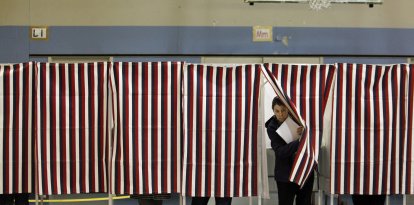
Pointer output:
x,y
285,153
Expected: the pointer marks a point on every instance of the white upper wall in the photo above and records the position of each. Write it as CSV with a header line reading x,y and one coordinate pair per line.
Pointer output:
x,y
391,14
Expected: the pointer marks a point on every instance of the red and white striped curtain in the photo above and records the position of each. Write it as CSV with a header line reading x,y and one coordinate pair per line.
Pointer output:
x,y
368,130
146,157
305,158
71,148
220,111
17,117
307,87
408,157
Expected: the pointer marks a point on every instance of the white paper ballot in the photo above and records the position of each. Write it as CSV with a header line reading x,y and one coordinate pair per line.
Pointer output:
x,y
288,130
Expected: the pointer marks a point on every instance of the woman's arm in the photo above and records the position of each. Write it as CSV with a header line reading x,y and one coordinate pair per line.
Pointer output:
x,y
280,147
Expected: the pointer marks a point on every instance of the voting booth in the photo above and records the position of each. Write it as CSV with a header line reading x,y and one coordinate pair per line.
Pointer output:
x,y
367,141
306,86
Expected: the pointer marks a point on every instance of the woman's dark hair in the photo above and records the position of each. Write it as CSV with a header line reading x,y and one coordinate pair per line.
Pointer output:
x,y
277,101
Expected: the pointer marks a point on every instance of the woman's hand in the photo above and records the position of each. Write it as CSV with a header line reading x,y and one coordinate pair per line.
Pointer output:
x,y
300,130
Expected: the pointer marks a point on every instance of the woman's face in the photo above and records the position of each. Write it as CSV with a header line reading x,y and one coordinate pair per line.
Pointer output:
x,y
281,112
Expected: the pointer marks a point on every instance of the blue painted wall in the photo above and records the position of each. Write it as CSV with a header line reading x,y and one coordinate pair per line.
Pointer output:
x,y
188,59
187,41
14,44
365,60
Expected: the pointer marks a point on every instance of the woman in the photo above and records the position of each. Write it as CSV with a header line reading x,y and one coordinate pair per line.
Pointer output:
x,y
285,154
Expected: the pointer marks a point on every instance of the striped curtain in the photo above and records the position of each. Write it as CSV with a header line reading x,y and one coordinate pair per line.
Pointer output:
x,y
408,154
300,84
17,116
368,130
220,130
147,136
71,130
307,87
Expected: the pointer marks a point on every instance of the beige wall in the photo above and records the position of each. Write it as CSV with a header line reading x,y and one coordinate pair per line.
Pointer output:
x,y
14,12
392,14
